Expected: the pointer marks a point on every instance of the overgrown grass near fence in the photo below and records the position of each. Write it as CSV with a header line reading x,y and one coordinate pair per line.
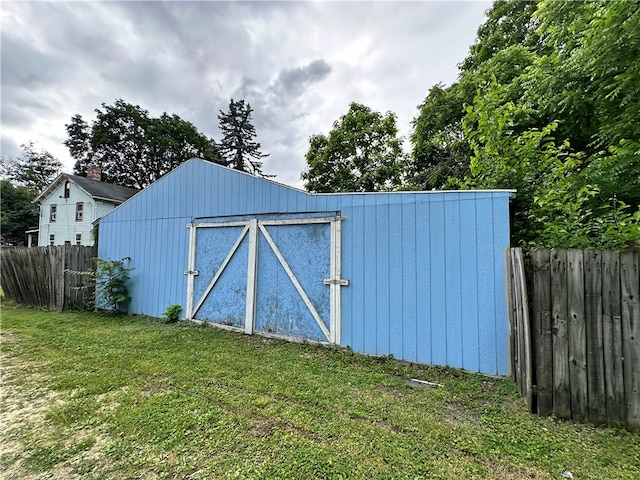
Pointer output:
x,y
577,355
98,396
40,276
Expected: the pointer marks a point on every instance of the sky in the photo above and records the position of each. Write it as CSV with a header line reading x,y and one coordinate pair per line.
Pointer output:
x,y
299,65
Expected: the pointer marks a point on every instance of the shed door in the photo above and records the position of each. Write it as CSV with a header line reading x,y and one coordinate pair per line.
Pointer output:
x,y
276,277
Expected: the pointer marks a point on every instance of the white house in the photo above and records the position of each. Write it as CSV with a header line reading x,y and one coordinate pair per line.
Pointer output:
x,y
70,205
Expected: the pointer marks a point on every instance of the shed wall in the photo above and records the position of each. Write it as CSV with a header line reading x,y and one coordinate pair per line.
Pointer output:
x,y
425,269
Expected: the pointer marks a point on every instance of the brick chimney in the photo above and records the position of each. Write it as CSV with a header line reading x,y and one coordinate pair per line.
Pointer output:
x,y
94,173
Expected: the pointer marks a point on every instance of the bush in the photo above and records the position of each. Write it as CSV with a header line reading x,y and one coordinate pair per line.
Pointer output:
x,y
172,313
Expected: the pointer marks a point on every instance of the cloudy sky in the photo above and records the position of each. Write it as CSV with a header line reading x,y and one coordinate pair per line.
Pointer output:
x,y
299,64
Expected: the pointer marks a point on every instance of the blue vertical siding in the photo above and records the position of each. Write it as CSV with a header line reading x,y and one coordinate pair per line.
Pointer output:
x,y
408,259
453,280
367,283
423,283
500,213
425,269
395,244
381,286
469,285
439,278
354,264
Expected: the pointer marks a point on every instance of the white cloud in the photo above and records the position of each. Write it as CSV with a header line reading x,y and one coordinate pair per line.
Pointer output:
x,y
298,64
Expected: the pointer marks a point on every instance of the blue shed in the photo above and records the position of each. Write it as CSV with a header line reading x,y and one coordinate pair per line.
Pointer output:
x,y
419,275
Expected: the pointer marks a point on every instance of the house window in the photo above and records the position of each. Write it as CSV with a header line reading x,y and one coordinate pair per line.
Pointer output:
x,y
78,239
52,239
52,213
79,207
67,189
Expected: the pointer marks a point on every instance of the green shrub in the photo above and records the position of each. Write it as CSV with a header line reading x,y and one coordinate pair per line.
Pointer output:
x,y
172,313
112,292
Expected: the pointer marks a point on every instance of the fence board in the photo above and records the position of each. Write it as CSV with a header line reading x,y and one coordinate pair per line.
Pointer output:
x,y
561,385
577,335
584,332
524,328
595,340
542,338
630,286
511,312
36,276
520,328
612,338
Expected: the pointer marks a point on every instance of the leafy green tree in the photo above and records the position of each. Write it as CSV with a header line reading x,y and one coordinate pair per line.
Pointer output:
x,y
238,147
509,23
18,213
362,153
133,148
33,169
555,204
598,61
441,153
546,103
79,143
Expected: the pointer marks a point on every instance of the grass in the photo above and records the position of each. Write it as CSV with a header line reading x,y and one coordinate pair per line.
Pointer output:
x,y
96,396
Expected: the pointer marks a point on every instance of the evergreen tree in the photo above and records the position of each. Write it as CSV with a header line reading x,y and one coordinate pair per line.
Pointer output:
x,y
238,147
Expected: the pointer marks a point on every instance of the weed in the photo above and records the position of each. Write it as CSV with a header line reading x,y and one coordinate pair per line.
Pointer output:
x,y
172,313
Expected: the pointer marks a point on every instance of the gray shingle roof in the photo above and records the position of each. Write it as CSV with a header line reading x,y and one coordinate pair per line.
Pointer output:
x,y
103,190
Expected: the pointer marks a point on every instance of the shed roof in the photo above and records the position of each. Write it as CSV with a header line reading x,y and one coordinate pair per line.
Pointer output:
x,y
202,189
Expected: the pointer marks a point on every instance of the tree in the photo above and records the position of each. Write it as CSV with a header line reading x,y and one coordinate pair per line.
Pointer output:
x,y
509,23
17,211
33,169
79,143
546,103
238,148
441,152
362,153
598,62
555,204
133,148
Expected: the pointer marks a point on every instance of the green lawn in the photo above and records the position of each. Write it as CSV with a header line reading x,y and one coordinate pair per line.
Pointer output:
x,y
87,395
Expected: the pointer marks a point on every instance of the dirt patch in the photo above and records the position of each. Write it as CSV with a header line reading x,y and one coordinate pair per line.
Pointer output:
x,y
264,427
504,472
456,414
25,403
261,428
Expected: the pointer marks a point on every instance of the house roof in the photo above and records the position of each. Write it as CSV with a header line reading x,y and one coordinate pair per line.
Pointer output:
x,y
98,190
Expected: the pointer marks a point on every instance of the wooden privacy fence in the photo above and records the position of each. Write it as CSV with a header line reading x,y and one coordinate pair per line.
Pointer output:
x,y
576,351
38,276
